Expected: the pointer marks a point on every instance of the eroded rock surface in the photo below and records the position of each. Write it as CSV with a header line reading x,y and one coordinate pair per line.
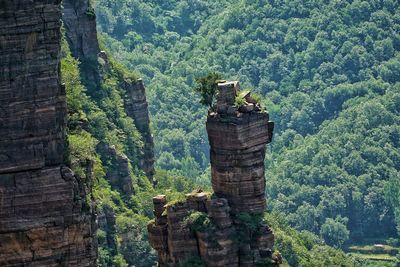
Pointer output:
x,y
45,218
227,227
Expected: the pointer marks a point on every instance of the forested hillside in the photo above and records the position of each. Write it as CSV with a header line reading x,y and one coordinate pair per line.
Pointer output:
x,y
328,74
327,71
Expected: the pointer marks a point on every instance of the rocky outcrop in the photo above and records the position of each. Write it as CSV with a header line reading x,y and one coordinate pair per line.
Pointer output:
x,y
237,141
80,23
118,172
45,219
227,227
137,108
202,227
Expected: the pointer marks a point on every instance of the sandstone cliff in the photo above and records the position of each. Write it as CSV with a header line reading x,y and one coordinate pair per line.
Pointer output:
x,y
45,217
227,227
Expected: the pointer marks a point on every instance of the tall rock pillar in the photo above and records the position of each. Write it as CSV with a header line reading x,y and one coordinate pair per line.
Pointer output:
x,y
136,107
238,141
44,217
226,228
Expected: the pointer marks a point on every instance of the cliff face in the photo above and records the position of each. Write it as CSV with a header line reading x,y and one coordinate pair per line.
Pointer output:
x,y
226,228
44,217
137,108
80,22
81,33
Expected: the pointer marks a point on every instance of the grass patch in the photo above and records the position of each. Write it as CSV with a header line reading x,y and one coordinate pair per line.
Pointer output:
x,y
375,257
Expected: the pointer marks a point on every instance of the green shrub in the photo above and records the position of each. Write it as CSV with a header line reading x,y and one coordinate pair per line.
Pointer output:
x,y
90,12
239,101
199,222
207,87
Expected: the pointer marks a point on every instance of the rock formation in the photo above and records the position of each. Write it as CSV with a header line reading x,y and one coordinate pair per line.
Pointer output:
x,y
227,227
137,108
45,217
237,151
118,173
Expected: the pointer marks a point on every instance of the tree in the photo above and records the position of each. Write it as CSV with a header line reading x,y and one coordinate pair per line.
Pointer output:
x,y
392,197
335,232
207,87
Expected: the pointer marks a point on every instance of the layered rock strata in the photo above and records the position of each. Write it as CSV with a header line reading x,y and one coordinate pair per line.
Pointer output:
x,y
226,228
45,218
237,140
221,239
137,108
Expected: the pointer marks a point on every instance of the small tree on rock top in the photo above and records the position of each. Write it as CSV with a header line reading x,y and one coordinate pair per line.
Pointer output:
x,y
207,87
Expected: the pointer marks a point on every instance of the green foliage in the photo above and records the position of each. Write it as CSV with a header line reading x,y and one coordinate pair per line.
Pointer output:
x,y
199,222
239,101
304,248
335,231
265,263
392,196
119,261
90,12
133,243
247,227
207,88
82,148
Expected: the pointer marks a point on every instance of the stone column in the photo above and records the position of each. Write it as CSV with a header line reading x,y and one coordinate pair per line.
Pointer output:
x,y
238,144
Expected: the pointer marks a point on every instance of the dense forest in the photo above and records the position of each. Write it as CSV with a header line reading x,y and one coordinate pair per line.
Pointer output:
x,y
327,72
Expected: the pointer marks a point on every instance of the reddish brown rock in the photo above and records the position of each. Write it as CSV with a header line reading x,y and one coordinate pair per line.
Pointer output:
x,y
45,219
237,155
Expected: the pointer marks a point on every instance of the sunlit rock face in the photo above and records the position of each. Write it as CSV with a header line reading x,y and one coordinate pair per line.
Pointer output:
x,y
45,218
225,228
238,144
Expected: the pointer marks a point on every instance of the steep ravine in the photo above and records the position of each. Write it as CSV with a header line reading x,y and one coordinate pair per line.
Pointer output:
x,y
81,33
